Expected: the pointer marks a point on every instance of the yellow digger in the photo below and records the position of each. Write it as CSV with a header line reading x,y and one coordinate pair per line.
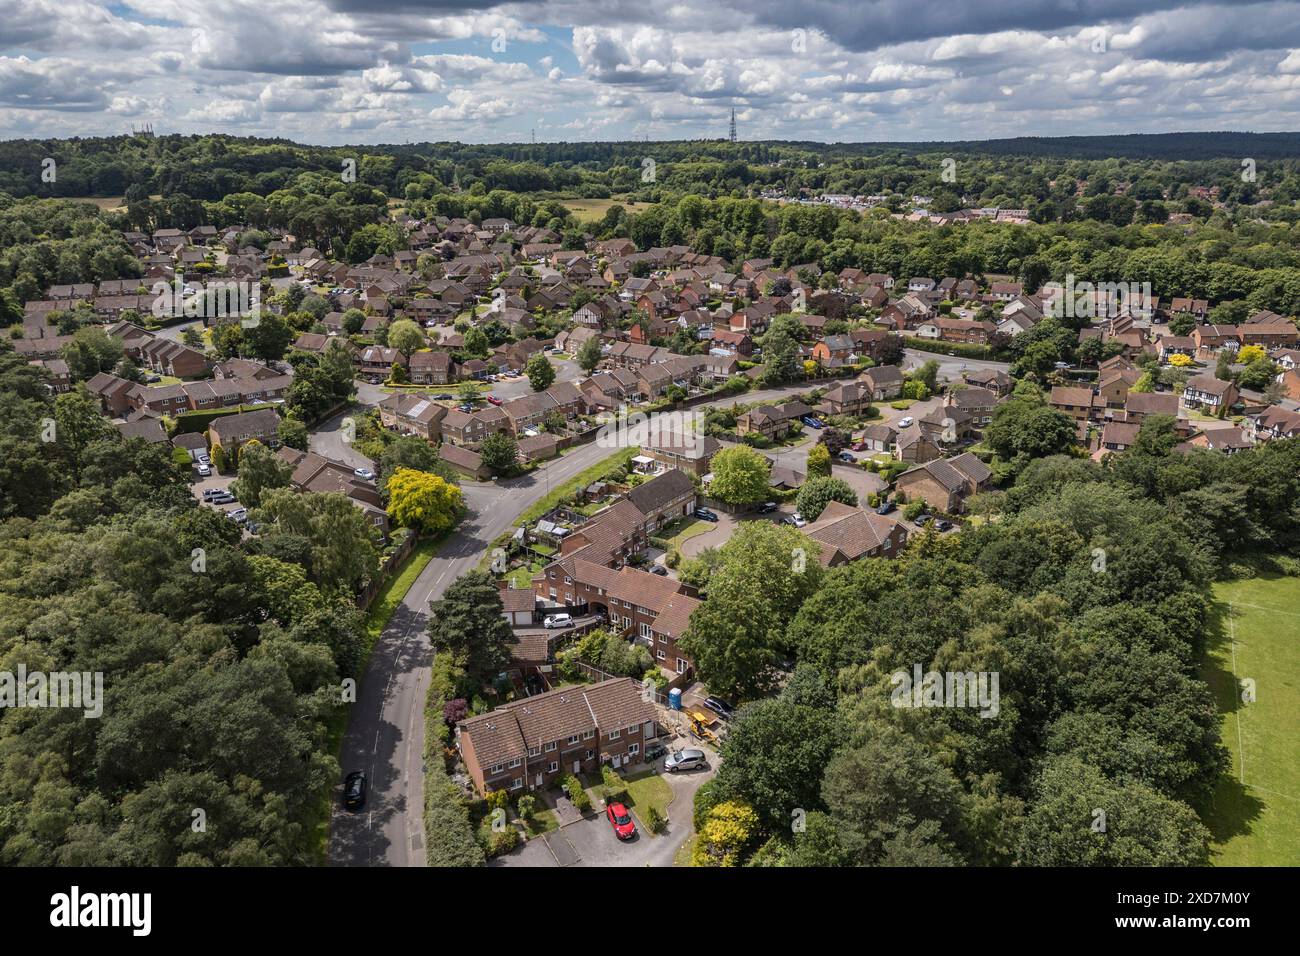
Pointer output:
x,y
702,724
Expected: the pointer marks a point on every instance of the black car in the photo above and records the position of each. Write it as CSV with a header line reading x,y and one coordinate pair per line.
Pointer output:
x,y
705,514
921,520
767,507
885,508
943,524
655,751
659,569
354,790
846,457
719,707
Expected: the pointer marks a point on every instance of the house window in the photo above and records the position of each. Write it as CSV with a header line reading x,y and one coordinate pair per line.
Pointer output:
x,y
633,749
515,763
588,734
615,734
498,768
550,746
534,751
573,739
634,729
590,754
553,766
661,655
517,783
682,665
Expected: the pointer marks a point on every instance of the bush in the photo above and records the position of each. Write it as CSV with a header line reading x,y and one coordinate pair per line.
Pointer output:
x,y
502,841
577,796
655,820
914,509
527,806
673,558
615,786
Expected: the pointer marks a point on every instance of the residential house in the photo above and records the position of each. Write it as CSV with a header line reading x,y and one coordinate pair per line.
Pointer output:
x,y
771,421
416,415
233,431
1208,394
945,484
529,743
847,533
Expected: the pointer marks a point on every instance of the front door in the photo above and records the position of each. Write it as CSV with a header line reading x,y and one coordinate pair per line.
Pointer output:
x,y
538,784
618,761
577,766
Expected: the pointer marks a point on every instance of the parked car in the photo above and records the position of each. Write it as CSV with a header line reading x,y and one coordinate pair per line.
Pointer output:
x,y
203,458
811,422
210,493
659,569
365,473
558,620
689,759
844,456
921,520
204,471
466,407
719,707
354,790
238,515
493,400
705,514
655,751
797,520
767,507
221,498
943,524
886,507
905,422
621,821
859,446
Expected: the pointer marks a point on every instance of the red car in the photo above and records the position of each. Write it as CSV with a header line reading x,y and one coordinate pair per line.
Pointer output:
x,y
621,821
494,400
859,446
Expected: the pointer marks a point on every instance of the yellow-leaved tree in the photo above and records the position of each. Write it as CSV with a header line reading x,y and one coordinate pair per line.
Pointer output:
x,y
423,501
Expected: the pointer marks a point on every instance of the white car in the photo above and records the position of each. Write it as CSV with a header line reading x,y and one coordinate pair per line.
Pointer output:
x,y
686,760
905,422
558,620
365,473
204,471
797,520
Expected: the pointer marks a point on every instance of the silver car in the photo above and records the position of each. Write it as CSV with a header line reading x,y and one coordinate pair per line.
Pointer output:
x,y
685,760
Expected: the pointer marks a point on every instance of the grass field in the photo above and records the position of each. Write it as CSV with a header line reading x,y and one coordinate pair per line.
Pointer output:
x,y
1254,815
589,210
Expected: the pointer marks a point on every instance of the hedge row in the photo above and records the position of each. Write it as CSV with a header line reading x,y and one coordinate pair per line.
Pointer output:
x,y
199,421
448,834
959,349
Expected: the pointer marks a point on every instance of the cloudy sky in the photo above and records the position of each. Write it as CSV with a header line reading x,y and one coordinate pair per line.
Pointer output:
x,y
360,71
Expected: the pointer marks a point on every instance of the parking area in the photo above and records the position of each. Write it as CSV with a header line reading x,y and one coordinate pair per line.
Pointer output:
x,y
590,841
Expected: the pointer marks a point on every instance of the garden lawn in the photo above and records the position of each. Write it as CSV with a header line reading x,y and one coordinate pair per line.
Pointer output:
x,y
1254,814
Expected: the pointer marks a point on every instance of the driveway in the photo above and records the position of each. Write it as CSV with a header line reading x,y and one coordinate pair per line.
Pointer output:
x,y
591,840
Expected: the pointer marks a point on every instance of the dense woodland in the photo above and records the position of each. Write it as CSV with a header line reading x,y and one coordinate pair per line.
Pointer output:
x,y
1102,706
223,663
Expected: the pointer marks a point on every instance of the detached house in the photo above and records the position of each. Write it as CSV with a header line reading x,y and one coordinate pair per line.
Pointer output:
x,y
771,421
945,484
847,534
1209,395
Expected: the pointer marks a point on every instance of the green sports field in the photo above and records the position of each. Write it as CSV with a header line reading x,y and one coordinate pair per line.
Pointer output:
x,y
1254,815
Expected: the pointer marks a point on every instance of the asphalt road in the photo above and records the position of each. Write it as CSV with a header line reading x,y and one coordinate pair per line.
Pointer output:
x,y
385,736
